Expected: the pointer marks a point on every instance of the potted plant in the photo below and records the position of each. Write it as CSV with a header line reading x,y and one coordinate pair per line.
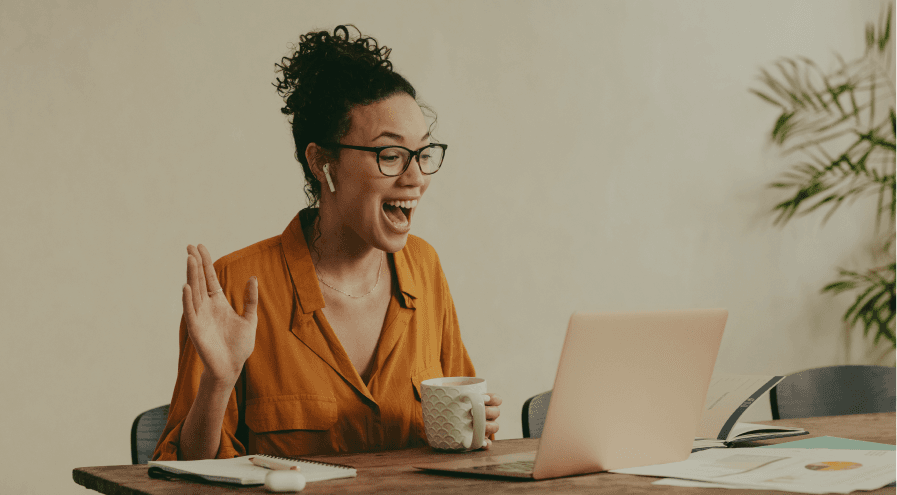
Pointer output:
x,y
841,125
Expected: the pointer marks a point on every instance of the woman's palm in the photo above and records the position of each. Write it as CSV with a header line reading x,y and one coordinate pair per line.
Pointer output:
x,y
223,339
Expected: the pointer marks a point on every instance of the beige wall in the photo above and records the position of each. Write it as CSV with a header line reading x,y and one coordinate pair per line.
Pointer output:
x,y
604,156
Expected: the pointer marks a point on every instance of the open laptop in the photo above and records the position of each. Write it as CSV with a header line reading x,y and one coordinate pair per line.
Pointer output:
x,y
629,391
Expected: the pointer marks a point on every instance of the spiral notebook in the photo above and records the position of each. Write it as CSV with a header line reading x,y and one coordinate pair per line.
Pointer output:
x,y
239,470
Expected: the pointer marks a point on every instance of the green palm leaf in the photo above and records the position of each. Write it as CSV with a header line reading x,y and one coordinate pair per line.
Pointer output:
x,y
818,111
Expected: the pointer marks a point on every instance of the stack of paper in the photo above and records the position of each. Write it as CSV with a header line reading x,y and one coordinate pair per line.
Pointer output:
x,y
812,470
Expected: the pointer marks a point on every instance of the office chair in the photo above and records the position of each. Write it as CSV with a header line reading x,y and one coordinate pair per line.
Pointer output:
x,y
145,433
533,415
834,391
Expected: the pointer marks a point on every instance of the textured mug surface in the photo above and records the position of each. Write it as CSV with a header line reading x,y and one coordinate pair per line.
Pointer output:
x,y
452,407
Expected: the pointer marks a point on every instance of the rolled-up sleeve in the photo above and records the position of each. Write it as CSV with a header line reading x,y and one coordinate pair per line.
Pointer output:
x,y
190,369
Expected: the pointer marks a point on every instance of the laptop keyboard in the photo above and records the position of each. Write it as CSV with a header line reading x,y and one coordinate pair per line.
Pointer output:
x,y
509,467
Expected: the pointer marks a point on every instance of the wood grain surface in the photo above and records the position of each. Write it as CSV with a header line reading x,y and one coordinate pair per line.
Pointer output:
x,y
392,471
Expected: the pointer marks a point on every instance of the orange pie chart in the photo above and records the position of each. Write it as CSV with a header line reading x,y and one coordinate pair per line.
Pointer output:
x,y
832,466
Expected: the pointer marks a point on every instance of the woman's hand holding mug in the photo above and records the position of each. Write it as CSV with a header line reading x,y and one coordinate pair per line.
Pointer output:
x,y
458,413
492,413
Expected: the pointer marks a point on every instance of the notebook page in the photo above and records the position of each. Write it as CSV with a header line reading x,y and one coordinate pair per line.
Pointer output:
x,y
320,472
241,470
728,397
235,470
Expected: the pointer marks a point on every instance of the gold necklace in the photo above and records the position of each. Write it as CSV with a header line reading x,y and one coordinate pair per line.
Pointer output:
x,y
379,269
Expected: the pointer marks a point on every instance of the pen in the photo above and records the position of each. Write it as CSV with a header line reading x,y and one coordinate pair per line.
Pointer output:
x,y
273,464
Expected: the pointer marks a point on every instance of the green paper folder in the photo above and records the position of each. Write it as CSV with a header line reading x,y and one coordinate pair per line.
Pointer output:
x,y
830,443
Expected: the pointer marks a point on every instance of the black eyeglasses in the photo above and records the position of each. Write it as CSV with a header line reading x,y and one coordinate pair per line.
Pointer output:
x,y
394,160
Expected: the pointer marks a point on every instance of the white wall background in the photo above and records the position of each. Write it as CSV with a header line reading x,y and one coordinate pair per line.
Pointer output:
x,y
604,156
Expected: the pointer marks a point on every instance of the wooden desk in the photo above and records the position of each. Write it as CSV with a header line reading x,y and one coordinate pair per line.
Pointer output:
x,y
390,472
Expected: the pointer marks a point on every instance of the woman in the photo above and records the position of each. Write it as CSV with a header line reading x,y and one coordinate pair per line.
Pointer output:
x,y
316,340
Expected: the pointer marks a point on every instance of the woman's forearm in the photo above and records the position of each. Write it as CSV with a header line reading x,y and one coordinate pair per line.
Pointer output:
x,y
201,433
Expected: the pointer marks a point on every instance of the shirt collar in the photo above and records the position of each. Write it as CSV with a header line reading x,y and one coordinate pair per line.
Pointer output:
x,y
405,277
298,259
302,270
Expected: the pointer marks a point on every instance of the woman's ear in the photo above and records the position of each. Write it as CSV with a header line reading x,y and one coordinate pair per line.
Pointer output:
x,y
318,163
313,155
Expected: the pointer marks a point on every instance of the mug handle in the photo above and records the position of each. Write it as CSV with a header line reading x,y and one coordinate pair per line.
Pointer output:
x,y
478,411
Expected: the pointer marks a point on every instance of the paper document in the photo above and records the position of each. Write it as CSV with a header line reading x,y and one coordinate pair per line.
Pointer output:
x,y
807,443
796,470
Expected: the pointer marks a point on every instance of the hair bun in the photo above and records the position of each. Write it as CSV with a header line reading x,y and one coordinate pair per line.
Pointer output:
x,y
325,61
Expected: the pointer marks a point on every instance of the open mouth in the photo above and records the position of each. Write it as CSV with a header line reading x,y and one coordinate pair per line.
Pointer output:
x,y
399,212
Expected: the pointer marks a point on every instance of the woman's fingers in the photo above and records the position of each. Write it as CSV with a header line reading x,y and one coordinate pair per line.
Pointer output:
x,y
211,278
187,301
492,409
251,299
200,271
194,282
492,413
491,428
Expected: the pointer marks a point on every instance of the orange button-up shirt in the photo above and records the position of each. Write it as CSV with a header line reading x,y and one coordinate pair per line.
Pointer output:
x,y
299,393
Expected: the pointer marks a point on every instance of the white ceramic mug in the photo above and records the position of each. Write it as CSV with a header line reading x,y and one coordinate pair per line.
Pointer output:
x,y
454,412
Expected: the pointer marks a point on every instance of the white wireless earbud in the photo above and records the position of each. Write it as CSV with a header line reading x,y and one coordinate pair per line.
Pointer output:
x,y
327,176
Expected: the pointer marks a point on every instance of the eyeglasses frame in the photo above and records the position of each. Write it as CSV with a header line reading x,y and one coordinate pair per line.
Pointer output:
x,y
378,149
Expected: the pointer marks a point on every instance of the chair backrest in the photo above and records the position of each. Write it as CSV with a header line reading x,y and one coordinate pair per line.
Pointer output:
x,y
533,416
834,391
145,433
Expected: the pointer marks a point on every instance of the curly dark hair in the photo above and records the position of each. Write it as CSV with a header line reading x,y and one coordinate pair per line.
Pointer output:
x,y
326,76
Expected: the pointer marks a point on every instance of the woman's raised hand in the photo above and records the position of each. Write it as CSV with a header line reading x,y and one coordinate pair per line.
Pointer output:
x,y
223,339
